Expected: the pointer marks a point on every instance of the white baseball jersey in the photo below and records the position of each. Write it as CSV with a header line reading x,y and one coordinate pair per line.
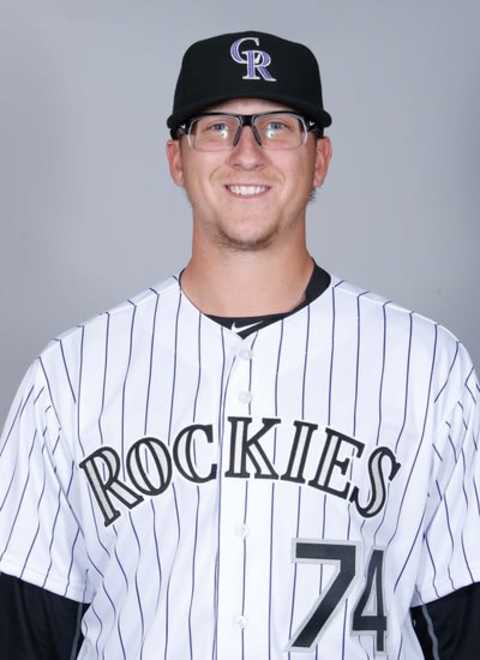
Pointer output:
x,y
285,496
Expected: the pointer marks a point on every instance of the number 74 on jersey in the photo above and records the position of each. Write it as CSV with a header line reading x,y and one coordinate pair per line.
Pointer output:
x,y
344,556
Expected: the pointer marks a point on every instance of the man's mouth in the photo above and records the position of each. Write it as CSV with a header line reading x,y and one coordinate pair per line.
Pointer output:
x,y
247,191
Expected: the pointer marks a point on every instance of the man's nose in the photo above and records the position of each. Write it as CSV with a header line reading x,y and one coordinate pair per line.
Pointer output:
x,y
247,153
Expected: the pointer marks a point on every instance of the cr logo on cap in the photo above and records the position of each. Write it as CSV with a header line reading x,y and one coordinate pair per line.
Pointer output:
x,y
256,60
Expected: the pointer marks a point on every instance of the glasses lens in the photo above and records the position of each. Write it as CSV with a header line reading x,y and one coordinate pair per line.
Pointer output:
x,y
213,133
281,131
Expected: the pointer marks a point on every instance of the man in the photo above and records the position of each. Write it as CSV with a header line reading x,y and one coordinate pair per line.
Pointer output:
x,y
254,459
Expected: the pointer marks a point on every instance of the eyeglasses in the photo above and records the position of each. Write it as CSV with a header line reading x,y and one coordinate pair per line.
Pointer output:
x,y
220,131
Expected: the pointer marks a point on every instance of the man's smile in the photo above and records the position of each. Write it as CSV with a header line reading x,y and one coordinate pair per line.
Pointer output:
x,y
242,190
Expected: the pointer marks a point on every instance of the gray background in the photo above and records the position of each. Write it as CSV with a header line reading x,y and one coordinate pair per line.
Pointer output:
x,y
90,217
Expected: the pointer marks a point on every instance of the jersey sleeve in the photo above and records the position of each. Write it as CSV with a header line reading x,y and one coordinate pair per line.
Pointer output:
x,y
449,556
41,539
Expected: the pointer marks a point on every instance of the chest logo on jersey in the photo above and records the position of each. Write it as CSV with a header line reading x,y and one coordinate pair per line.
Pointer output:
x,y
149,465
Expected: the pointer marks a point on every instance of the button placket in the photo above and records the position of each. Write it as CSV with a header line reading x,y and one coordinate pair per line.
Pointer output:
x,y
232,530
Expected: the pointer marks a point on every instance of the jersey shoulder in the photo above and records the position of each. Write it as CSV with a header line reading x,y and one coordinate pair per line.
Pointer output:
x,y
452,366
374,302
76,354
120,312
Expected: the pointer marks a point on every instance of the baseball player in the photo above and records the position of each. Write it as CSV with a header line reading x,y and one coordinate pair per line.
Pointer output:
x,y
253,459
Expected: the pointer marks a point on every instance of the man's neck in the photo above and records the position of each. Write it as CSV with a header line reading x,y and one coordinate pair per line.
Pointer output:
x,y
247,284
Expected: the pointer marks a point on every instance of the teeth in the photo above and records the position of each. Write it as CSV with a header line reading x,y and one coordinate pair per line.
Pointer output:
x,y
247,190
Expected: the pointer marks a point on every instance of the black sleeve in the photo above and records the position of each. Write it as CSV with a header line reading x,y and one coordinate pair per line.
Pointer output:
x,y
36,624
449,628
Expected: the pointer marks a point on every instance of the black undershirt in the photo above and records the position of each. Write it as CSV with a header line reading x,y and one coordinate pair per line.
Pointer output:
x,y
36,624
449,628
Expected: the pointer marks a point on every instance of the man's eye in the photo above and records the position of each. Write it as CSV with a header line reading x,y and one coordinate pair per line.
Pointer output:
x,y
276,126
218,127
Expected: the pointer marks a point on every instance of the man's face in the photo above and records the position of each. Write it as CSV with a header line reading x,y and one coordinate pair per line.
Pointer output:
x,y
281,182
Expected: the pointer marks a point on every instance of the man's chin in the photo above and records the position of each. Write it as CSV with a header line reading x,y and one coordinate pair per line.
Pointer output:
x,y
237,243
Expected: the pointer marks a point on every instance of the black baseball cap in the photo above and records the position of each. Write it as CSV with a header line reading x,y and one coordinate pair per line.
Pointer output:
x,y
248,64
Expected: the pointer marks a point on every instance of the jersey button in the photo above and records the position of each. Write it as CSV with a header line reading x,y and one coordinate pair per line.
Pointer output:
x,y
242,531
246,354
245,397
241,621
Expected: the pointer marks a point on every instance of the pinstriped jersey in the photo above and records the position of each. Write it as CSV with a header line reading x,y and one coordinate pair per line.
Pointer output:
x,y
289,495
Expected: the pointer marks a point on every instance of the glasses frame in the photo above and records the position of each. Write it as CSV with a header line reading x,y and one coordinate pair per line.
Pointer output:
x,y
247,120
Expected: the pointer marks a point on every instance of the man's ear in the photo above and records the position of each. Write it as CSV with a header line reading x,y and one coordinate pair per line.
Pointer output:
x,y
175,162
322,160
